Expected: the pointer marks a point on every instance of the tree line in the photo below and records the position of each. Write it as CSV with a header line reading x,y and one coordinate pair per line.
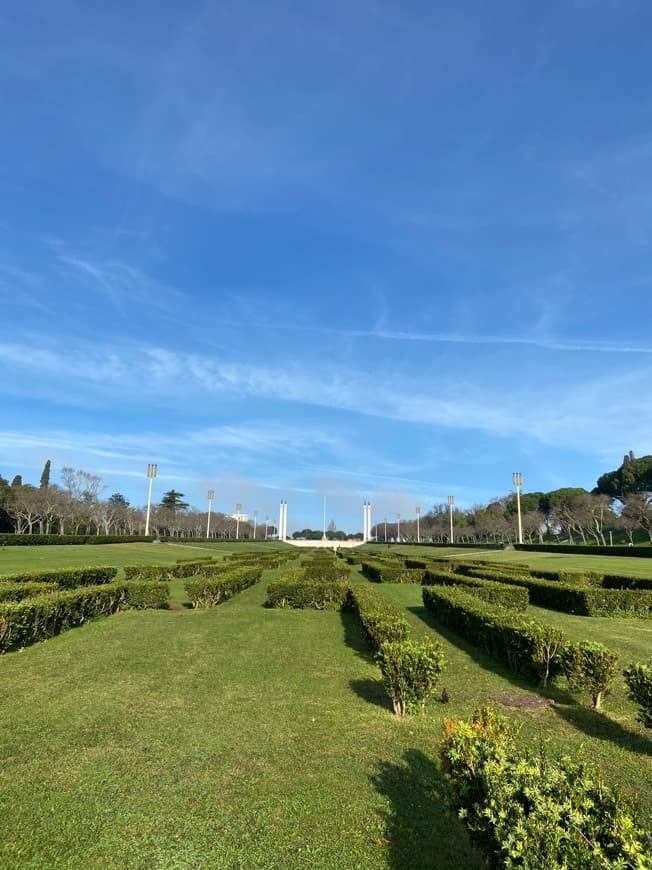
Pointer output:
x,y
620,504
76,506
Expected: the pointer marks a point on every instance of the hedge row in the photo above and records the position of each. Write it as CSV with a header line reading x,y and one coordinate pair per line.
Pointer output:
x,y
18,591
585,550
294,589
381,572
64,578
12,540
210,591
525,646
381,621
513,597
579,600
531,811
34,619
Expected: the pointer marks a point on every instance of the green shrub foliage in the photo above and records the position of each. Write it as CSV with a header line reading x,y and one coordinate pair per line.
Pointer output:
x,y
410,672
589,667
18,591
39,617
529,811
381,621
391,572
209,591
65,578
514,597
638,678
12,540
303,593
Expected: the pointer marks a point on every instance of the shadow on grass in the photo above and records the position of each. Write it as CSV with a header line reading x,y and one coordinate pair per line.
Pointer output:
x,y
487,662
420,829
353,635
372,691
596,724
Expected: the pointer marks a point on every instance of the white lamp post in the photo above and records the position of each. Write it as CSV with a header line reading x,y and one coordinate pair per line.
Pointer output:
x,y
451,502
385,540
255,523
266,524
211,496
517,480
398,528
152,471
323,537
418,527
238,508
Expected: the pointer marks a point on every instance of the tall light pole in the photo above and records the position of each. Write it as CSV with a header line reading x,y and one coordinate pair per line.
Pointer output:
x,y
152,471
323,537
266,524
418,528
451,502
385,540
211,496
255,523
238,508
517,481
398,528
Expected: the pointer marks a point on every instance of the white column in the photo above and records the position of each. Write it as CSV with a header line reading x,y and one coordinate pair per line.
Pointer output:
x,y
285,521
368,520
280,523
364,521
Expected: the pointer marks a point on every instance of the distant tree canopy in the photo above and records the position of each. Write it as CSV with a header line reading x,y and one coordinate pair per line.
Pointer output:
x,y
633,476
173,500
45,476
118,500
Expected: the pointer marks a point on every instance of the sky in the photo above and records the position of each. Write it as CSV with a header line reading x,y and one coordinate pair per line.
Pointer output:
x,y
363,250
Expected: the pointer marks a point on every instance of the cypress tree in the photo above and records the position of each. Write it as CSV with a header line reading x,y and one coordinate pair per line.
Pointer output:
x,y
45,477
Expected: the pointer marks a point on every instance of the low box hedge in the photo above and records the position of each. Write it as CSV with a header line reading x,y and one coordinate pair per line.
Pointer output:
x,y
381,621
209,591
289,591
511,596
381,572
587,550
65,578
13,540
18,591
42,616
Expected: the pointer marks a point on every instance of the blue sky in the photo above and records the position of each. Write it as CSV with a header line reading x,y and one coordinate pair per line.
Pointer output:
x,y
375,250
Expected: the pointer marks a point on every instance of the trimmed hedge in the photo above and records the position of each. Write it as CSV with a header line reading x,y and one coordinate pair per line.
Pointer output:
x,y
12,540
379,572
639,688
209,591
330,573
381,621
43,616
531,811
586,550
579,600
410,672
65,578
18,591
291,590
513,597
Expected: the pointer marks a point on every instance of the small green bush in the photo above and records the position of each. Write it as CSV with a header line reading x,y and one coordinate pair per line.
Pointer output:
x,y
18,591
147,595
303,593
513,597
525,810
639,688
589,667
410,671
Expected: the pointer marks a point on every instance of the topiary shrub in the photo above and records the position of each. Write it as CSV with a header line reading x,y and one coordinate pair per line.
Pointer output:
x,y
589,667
381,621
638,678
213,590
410,671
525,810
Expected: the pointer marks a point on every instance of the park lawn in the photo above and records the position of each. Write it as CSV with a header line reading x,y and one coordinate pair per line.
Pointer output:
x,y
15,559
634,566
611,738
234,737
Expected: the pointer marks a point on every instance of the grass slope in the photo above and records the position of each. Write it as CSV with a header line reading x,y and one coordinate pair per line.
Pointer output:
x,y
234,737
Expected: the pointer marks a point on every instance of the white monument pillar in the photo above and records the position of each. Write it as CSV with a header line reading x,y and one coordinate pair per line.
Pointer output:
x,y
368,520
281,516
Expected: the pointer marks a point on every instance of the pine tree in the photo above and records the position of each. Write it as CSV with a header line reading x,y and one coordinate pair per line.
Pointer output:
x,y
45,476
17,481
173,501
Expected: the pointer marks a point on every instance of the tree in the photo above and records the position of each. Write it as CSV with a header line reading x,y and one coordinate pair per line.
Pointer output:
x,y
17,482
173,501
45,475
118,500
634,475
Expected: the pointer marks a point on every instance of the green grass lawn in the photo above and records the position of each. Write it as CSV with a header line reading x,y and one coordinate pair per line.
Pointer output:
x,y
14,559
242,737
